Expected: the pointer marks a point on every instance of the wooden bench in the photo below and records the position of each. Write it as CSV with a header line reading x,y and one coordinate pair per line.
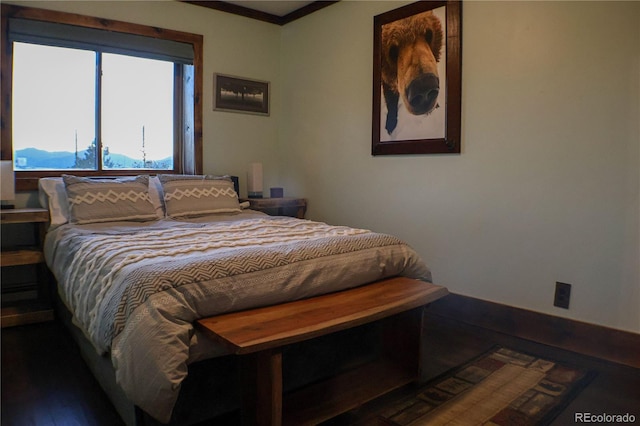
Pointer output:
x,y
260,334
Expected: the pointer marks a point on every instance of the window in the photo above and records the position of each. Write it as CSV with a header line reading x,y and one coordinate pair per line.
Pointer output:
x,y
92,96
58,126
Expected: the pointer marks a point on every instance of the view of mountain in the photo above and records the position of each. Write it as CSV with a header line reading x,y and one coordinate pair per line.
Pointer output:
x,y
32,158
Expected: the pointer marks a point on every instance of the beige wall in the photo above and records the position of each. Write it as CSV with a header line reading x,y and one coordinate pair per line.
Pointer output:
x,y
547,187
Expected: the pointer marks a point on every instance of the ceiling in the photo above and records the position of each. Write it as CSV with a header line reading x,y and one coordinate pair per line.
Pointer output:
x,y
278,8
274,11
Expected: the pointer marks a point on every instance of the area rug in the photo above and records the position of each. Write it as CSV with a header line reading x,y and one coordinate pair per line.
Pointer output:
x,y
501,387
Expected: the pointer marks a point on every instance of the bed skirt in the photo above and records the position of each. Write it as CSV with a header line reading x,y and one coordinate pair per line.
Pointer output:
x,y
211,388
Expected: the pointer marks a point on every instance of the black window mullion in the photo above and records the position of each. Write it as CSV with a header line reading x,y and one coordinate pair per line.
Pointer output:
x,y
178,117
98,111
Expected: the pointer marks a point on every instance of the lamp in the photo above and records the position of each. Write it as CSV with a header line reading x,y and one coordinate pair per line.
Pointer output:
x,y
7,183
254,180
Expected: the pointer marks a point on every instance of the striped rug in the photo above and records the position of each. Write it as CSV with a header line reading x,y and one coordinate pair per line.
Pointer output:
x,y
502,387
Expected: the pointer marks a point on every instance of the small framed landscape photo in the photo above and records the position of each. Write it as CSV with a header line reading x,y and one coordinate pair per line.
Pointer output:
x,y
235,94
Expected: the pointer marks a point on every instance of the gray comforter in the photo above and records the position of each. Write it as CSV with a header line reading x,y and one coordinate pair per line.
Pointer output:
x,y
136,288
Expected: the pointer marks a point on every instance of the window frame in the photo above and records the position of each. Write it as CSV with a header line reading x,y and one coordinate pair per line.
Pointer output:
x,y
188,149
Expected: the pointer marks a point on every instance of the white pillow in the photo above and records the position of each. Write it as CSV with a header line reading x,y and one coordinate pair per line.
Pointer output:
x,y
155,192
53,196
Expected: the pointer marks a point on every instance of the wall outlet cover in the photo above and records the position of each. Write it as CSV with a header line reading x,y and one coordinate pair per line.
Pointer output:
x,y
562,295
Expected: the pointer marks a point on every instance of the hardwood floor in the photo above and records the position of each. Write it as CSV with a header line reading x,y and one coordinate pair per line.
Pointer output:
x,y
45,381
615,389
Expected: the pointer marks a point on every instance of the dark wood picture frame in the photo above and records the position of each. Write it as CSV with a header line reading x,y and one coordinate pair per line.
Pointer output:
x,y
450,87
236,94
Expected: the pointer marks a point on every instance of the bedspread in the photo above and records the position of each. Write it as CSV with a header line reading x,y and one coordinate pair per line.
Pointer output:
x,y
136,289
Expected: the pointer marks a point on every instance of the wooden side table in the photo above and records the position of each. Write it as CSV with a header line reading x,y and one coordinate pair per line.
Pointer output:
x,y
288,206
30,310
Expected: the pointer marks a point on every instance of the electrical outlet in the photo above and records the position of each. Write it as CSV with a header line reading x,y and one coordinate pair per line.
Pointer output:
x,y
562,296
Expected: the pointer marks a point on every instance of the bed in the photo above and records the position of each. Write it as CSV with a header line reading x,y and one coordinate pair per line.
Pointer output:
x,y
137,260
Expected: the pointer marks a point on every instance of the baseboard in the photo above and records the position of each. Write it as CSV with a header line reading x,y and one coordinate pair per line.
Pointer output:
x,y
618,346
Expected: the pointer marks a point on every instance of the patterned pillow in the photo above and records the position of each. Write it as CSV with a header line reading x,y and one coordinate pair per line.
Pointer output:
x,y
108,200
190,195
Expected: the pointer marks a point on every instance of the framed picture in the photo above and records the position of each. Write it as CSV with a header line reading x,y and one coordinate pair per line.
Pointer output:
x,y
417,79
237,94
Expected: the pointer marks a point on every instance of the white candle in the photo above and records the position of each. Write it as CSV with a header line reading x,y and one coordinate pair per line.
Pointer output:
x,y
254,180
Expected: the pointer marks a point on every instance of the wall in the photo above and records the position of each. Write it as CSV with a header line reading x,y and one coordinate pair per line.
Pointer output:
x,y
547,186
232,45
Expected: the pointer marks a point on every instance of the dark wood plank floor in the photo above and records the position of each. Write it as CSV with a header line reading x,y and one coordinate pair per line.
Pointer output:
x,y
615,389
45,381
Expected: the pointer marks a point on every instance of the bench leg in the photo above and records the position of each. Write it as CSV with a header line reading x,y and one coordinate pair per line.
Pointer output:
x,y
402,340
261,375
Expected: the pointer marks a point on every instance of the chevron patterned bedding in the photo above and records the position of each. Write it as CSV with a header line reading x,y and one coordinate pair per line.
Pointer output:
x,y
136,288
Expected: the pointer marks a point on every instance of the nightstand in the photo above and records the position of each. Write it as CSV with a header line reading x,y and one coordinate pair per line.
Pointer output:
x,y
288,206
25,303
